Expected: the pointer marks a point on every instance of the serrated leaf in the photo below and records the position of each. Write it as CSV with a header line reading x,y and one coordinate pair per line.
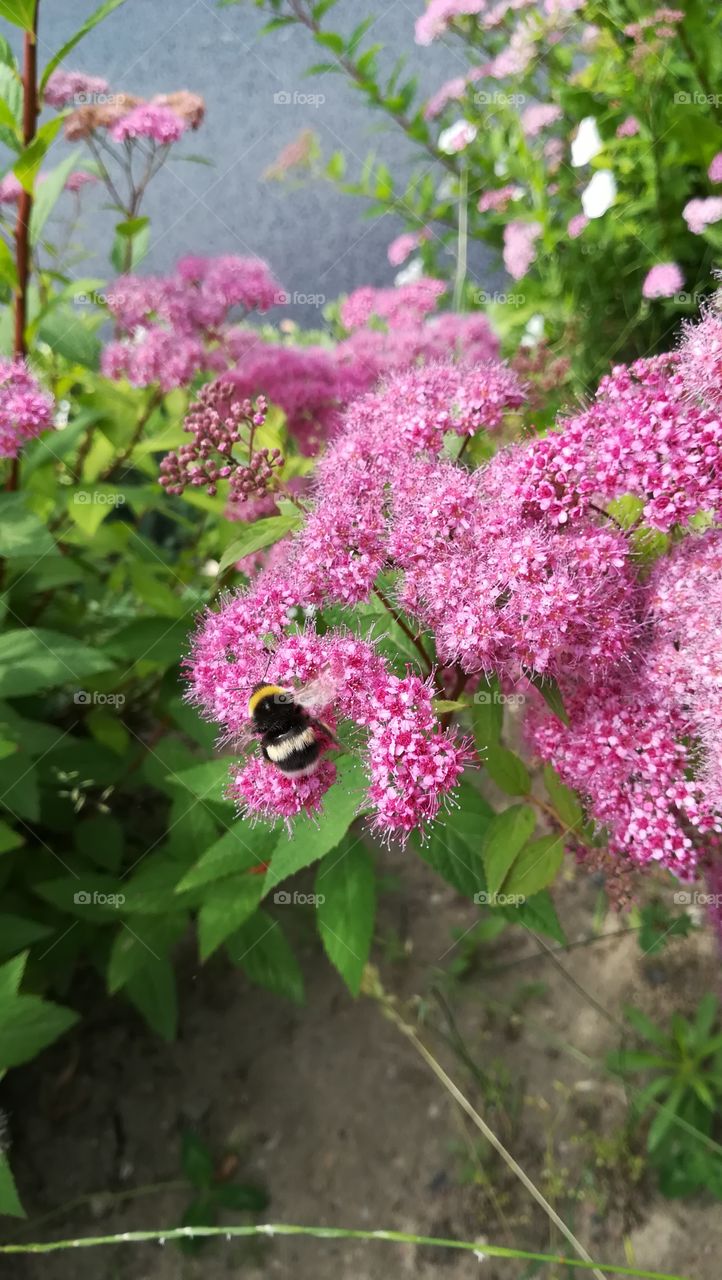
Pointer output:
x,y
262,950
535,866
507,770
138,940
315,835
152,990
224,909
487,714
564,800
550,692
238,850
260,534
28,1025
346,906
35,658
505,836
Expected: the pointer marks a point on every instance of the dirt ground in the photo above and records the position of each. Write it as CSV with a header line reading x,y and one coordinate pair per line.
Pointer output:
x,y
332,1110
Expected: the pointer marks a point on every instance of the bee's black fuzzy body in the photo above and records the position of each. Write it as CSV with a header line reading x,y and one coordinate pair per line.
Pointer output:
x,y
289,738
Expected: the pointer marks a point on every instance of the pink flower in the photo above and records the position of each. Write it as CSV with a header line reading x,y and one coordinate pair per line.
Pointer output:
x,y
405,244
628,128
457,137
519,246
25,410
699,214
65,87
449,92
79,179
439,13
156,122
701,356
499,199
10,189
576,225
714,173
662,281
539,116
396,306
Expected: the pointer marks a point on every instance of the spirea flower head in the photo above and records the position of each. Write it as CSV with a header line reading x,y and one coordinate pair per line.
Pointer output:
x,y
404,305
149,120
79,179
714,173
576,225
700,354
404,245
10,189
25,409
218,421
498,200
439,13
628,128
451,91
662,281
411,763
65,87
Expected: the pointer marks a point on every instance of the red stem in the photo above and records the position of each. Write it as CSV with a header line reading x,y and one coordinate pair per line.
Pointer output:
x,y
25,205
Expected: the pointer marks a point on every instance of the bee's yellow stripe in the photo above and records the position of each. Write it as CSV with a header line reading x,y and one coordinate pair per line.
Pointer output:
x,y
265,691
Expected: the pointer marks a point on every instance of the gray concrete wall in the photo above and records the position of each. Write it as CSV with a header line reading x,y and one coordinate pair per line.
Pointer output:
x,y
316,240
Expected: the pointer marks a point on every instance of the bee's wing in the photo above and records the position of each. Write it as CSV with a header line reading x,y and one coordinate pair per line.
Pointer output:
x,y
318,694
240,741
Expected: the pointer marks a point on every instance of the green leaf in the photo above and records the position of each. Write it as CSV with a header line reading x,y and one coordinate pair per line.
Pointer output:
x,y
260,534
225,907
19,789
9,838
35,658
69,335
243,1197
508,771
48,193
346,906
487,713
11,975
538,914
314,836
563,799
505,836
161,641
535,867
22,533
17,932
239,849
29,1024
196,1160
10,1205
152,990
8,270
27,165
207,781
138,939
75,39
550,692
261,949
100,839
20,12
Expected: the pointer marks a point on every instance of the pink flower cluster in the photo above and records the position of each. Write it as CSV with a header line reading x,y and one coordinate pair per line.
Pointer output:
x,y
404,305
520,246
218,421
641,435
172,323
25,409
439,13
700,356
66,87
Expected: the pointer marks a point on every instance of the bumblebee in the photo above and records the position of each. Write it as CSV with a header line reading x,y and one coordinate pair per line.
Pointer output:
x,y
291,739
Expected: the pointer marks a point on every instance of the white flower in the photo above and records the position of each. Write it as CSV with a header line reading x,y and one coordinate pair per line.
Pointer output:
x,y
587,144
533,331
456,137
600,194
409,274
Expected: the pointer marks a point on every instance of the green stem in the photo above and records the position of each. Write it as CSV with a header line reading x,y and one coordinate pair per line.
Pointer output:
x,y
329,1233
463,238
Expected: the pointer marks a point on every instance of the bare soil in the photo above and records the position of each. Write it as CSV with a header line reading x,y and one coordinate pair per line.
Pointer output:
x,y
332,1110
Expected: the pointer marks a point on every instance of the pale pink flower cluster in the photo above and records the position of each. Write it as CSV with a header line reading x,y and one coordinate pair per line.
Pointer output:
x,y
404,245
520,246
149,120
439,13
25,409
700,214
497,201
662,281
576,225
714,173
539,116
73,87
628,128
406,304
